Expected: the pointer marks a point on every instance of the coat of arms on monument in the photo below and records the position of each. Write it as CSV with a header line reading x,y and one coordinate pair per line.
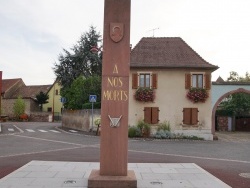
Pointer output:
x,y
116,31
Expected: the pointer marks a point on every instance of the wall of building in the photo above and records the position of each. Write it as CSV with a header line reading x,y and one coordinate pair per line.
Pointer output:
x,y
8,105
54,100
171,99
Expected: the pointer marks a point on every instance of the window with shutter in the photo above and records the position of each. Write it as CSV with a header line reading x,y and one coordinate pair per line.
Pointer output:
x,y
197,80
190,116
134,81
208,81
147,114
186,115
155,115
151,115
154,81
187,81
194,116
145,80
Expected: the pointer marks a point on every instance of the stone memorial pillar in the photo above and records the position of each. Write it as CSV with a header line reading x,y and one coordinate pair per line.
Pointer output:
x,y
115,92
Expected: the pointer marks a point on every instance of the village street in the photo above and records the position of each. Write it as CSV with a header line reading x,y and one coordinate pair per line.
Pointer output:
x,y
227,159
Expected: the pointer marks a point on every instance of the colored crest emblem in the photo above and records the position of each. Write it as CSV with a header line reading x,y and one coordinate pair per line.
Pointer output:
x,y
116,31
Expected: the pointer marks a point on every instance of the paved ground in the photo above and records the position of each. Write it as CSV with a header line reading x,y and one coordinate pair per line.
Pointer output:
x,y
51,174
234,136
226,159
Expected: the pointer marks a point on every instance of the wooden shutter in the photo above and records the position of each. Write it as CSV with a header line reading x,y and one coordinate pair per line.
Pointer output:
x,y
155,115
194,118
207,81
154,81
134,81
187,81
1,78
187,116
147,114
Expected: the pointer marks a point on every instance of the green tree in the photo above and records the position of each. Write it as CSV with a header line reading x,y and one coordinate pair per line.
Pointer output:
x,y
234,77
238,103
81,61
19,107
78,93
42,98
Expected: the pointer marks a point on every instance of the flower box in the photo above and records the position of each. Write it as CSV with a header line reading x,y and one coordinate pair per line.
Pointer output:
x,y
144,95
197,95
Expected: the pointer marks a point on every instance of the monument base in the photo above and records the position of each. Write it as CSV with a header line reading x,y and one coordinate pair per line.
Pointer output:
x,y
98,181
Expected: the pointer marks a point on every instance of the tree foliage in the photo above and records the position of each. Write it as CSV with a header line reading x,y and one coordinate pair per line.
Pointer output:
x,y
78,93
42,98
234,77
81,61
19,107
238,103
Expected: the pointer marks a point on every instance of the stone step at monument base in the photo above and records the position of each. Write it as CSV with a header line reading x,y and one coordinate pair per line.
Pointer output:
x,y
99,181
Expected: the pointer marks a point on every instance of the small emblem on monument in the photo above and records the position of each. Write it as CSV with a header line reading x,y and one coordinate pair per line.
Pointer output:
x,y
116,31
114,122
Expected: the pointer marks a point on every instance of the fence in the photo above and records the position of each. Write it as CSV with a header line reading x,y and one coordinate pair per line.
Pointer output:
x,y
80,119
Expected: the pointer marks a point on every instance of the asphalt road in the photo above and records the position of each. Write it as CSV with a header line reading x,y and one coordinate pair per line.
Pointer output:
x,y
21,143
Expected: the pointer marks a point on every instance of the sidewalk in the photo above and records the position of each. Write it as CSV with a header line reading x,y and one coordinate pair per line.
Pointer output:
x,y
233,136
55,174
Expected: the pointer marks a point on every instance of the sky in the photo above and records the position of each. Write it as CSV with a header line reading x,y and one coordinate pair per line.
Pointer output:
x,y
34,32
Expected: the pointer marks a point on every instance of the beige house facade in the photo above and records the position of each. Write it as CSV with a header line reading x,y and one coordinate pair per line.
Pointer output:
x,y
54,105
171,69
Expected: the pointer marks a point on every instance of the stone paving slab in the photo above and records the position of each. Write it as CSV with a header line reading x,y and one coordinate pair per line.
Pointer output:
x,y
58,174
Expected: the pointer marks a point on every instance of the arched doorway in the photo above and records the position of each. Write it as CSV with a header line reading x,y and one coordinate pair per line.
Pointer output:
x,y
240,90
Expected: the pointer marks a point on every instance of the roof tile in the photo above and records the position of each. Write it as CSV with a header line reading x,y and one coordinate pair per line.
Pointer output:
x,y
166,52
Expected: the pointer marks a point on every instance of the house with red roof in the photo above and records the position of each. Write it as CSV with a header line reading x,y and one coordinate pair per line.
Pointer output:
x,y
13,88
170,82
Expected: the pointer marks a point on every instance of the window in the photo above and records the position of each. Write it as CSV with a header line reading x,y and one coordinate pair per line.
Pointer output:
x,y
190,116
49,109
144,80
147,80
197,80
56,91
151,115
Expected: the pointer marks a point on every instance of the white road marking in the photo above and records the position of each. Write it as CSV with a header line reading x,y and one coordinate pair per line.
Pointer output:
x,y
10,129
43,131
30,130
190,156
73,131
55,131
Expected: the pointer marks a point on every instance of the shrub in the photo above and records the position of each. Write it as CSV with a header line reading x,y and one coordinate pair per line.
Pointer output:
x,y
134,132
164,126
144,128
19,107
97,121
163,134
